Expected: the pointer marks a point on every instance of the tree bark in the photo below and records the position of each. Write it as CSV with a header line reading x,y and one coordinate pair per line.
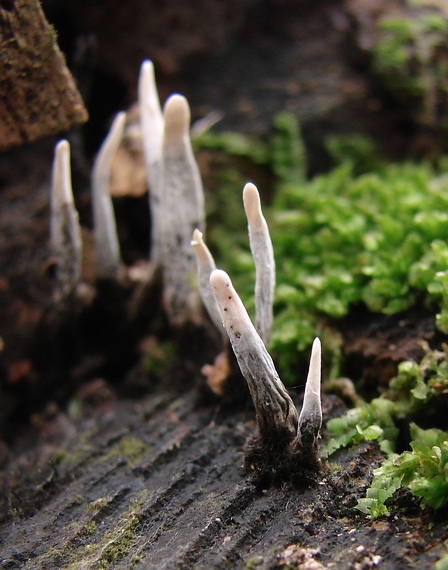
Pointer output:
x,y
38,95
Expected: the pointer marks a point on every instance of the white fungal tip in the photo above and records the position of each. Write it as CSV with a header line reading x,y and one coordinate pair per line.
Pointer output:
x,y
314,373
176,113
219,280
62,146
316,348
197,238
251,200
201,250
62,189
150,111
310,420
147,66
102,165
147,80
119,123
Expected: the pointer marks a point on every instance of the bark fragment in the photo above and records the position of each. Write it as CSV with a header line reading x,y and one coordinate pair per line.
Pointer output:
x,y
38,95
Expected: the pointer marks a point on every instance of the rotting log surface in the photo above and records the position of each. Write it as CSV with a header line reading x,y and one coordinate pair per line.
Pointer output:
x,y
38,95
158,484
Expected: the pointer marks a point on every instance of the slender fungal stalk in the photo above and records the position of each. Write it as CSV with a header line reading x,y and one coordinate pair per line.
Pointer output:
x,y
65,231
263,254
107,248
151,120
310,420
182,210
276,413
205,266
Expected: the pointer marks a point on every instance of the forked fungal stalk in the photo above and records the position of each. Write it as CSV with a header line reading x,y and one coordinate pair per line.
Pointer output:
x,y
284,446
65,231
276,414
182,210
151,120
205,266
108,260
263,254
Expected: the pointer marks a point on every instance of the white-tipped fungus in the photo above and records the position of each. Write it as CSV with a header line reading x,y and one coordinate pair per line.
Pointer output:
x,y
276,413
205,266
183,211
284,447
310,419
65,231
105,230
151,120
263,254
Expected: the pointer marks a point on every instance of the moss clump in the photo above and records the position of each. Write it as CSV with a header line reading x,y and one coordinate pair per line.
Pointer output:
x,y
128,448
119,543
254,562
410,55
90,527
417,383
369,422
423,470
343,239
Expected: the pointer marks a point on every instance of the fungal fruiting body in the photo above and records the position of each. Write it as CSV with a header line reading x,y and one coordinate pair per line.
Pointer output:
x,y
151,120
278,451
263,254
276,413
310,419
183,211
65,231
284,446
108,261
176,202
175,194
205,266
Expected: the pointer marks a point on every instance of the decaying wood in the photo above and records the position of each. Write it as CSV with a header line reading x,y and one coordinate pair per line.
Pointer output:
x,y
38,95
158,484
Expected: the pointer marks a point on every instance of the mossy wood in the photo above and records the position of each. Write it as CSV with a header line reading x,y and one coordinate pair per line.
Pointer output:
x,y
158,483
38,95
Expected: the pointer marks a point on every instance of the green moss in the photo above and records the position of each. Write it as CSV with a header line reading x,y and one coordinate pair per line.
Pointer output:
x,y
416,384
119,543
347,237
356,148
113,546
234,144
369,422
90,527
410,55
286,150
129,448
423,470
342,239
158,357
254,562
